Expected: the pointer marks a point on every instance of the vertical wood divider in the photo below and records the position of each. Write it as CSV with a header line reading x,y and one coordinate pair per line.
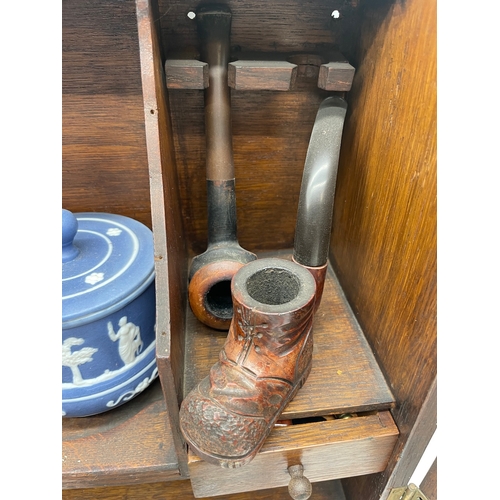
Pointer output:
x,y
170,253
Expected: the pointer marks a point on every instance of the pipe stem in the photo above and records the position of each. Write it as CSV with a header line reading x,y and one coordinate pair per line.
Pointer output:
x,y
317,192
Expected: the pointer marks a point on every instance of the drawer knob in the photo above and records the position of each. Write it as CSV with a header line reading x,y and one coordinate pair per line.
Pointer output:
x,y
299,486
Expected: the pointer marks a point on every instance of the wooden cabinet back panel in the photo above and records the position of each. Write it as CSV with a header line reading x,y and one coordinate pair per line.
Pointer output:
x,y
271,129
105,166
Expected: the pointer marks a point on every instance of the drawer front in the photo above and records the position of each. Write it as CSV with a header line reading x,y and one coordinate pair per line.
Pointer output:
x,y
330,449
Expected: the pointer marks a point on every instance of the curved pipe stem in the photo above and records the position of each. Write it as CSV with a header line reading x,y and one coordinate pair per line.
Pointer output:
x,y
317,192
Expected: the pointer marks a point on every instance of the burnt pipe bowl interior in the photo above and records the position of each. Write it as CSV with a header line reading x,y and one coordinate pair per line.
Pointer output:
x,y
273,285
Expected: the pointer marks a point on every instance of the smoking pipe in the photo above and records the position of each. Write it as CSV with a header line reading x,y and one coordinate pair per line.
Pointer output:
x,y
317,191
211,272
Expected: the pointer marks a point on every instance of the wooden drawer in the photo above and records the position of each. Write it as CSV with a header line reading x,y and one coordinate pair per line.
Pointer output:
x,y
330,449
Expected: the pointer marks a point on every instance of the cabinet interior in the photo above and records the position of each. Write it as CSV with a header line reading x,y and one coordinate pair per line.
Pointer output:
x,y
139,148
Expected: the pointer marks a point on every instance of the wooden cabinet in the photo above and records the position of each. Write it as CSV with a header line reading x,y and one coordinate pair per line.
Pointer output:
x,y
134,147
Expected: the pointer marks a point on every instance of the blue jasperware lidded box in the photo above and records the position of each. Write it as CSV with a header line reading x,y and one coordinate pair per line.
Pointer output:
x,y
108,312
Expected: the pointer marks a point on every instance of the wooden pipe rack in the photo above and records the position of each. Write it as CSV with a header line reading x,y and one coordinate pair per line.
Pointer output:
x,y
263,72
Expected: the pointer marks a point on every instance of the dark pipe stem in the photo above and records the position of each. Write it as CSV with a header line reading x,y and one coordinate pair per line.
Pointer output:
x,y
317,192
214,29
211,272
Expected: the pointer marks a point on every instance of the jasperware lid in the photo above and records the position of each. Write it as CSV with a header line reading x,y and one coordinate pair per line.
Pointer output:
x,y
107,261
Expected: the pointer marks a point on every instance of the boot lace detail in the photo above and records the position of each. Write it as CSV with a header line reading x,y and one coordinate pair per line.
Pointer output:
x,y
248,331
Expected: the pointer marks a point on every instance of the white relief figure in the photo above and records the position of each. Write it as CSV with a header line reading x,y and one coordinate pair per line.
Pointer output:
x,y
76,358
129,336
114,231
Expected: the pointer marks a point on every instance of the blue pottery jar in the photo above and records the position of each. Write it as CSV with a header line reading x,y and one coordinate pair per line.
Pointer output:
x,y
108,312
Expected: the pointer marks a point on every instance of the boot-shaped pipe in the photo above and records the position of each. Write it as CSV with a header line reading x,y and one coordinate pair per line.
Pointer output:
x,y
317,192
267,357
211,272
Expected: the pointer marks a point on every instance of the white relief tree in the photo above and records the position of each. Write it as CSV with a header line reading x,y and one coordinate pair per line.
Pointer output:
x,y
76,358
129,337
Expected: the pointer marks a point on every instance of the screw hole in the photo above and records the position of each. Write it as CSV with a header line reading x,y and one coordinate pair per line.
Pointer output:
x,y
152,111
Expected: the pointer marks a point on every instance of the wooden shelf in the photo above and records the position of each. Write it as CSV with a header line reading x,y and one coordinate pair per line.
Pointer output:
x,y
345,376
384,222
128,445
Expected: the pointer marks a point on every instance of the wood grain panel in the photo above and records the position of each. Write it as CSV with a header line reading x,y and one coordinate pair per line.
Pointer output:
x,y
104,160
344,377
271,129
384,238
327,450
429,483
181,490
270,137
100,53
128,445
103,141
170,251
277,26
402,465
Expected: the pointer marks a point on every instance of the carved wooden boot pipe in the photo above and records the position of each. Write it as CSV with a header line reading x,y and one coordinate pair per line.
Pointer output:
x,y
211,272
267,357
